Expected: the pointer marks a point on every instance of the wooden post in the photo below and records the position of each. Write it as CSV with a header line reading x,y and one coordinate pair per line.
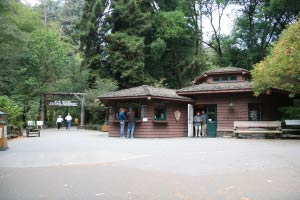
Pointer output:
x,y
82,112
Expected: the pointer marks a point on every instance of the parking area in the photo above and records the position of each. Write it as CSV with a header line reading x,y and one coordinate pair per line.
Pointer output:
x,y
81,164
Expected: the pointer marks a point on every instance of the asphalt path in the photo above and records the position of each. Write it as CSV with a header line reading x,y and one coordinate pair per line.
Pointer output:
x,y
81,164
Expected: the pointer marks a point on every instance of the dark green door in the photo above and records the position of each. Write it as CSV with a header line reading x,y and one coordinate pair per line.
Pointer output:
x,y
211,111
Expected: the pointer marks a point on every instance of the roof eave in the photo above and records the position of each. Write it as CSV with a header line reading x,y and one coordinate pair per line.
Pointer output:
x,y
148,97
215,91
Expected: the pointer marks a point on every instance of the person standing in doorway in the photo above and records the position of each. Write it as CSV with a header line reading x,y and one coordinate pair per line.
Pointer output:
x,y
131,123
59,121
204,123
122,118
68,119
197,124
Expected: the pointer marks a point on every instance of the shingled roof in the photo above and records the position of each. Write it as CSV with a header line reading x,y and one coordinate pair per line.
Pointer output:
x,y
217,87
226,69
223,70
144,91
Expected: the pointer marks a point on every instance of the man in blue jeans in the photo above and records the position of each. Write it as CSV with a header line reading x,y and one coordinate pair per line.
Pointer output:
x,y
68,119
131,123
122,118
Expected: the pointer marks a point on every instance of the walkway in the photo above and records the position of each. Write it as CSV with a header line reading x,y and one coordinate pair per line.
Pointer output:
x,y
81,164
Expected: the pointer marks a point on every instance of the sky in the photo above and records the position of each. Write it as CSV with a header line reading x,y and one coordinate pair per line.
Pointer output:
x,y
226,23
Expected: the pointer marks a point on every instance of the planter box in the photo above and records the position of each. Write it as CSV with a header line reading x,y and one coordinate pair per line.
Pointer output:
x,y
104,128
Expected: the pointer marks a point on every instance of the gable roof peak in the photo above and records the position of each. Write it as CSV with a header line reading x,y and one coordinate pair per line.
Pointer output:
x,y
222,70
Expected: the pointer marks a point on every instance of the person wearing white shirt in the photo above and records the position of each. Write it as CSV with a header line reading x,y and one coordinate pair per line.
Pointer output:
x,y
68,119
59,121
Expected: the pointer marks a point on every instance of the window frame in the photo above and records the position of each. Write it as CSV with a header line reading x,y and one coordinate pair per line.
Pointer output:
x,y
224,78
255,106
136,107
164,118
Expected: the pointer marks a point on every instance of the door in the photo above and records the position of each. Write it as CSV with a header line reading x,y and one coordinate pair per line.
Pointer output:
x,y
211,111
190,120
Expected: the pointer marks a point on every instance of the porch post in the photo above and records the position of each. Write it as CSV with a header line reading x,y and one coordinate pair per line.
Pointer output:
x,y
190,120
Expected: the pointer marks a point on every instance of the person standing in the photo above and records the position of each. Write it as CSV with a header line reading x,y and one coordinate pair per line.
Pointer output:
x,y
131,123
122,118
197,124
204,123
59,121
68,119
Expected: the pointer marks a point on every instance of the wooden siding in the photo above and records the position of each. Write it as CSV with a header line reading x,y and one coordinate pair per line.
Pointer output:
x,y
151,129
226,114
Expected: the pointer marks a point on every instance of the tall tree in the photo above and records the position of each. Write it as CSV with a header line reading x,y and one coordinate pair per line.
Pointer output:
x,y
258,26
94,28
17,21
281,68
69,17
214,11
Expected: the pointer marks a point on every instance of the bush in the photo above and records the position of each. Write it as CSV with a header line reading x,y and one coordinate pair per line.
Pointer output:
x,y
14,112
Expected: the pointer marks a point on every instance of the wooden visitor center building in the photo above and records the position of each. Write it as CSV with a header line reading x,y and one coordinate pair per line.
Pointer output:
x,y
225,94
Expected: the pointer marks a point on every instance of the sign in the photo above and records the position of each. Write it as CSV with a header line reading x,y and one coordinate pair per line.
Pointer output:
x,y
145,119
62,103
177,115
5,131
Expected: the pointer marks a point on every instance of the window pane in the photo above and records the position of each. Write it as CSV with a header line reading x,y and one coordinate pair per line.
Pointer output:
x,y
118,107
136,107
159,111
232,78
254,112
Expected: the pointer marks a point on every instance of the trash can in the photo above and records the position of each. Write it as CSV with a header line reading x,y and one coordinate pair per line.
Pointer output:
x,y
3,131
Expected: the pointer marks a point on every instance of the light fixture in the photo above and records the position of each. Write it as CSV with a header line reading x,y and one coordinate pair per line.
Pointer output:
x,y
231,103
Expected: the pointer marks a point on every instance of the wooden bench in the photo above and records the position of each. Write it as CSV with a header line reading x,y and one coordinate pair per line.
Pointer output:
x,y
253,127
292,127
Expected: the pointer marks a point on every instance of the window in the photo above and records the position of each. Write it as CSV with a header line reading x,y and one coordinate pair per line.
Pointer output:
x,y
254,111
136,108
160,111
225,78
232,78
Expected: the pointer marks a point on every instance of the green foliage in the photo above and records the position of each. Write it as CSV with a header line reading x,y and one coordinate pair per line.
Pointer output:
x,y
171,24
12,110
291,112
126,59
16,23
47,56
102,86
258,26
128,17
281,68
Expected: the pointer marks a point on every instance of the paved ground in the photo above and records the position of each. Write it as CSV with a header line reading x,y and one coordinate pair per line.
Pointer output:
x,y
89,165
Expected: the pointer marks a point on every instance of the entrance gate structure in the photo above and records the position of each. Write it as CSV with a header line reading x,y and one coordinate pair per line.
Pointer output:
x,y
68,103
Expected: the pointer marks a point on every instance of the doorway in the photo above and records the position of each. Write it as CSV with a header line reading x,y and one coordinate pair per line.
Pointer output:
x,y
211,111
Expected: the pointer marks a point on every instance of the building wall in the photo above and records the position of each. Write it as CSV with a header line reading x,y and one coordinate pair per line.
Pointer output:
x,y
150,129
227,114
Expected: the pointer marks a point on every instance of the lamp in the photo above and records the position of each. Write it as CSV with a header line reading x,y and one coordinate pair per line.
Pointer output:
x,y
231,103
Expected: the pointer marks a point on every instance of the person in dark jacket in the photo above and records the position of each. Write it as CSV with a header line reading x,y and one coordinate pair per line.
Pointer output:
x,y
122,118
204,123
131,123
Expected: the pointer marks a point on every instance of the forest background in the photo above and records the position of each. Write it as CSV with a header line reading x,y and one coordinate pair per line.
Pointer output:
x,y
97,46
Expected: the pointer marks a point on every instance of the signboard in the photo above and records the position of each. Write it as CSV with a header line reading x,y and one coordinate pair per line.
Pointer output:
x,y
5,131
63,103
